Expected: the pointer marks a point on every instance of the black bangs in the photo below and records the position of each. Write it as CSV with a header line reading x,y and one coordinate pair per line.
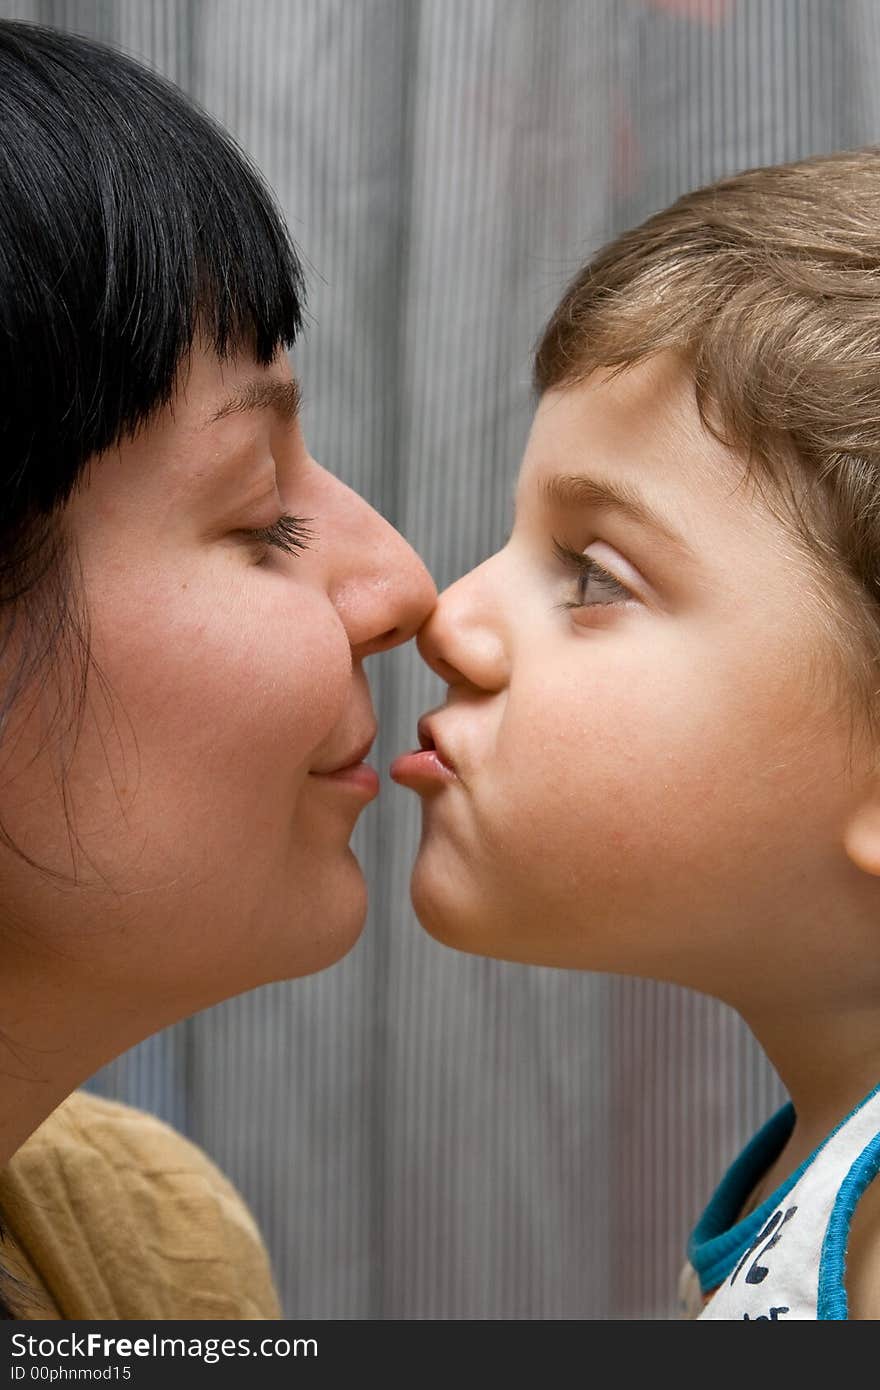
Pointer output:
x,y
129,220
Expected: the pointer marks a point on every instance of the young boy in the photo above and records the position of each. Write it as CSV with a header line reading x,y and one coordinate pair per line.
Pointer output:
x,y
659,752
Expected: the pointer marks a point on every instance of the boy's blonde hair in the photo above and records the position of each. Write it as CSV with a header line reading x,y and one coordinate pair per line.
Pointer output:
x,y
768,284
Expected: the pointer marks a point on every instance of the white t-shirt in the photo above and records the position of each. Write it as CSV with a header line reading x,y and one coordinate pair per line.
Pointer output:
x,y
786,1259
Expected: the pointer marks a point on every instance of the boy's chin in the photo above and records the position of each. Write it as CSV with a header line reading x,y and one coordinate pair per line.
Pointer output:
x,y
444,916
463,926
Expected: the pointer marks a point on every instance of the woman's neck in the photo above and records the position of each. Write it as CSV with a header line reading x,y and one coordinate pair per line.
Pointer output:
x,y
56,1031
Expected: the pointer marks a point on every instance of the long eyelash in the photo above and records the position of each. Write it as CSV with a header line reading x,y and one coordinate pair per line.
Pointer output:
x,y
585,565
288,533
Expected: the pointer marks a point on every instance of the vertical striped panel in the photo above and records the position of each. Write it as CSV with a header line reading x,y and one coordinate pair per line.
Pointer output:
x,y
422,1134
496,1184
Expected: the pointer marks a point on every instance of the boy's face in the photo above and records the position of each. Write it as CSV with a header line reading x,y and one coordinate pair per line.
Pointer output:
x,y
652,781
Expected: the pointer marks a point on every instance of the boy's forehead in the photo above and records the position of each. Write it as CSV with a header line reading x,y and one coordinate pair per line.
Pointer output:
x,y
639,436
642,425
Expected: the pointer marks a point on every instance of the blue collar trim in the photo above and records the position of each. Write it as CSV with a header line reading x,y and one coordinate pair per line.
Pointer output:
x,y
719,1240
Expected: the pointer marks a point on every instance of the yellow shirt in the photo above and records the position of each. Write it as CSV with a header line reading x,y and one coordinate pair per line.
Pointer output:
x,y
108,1212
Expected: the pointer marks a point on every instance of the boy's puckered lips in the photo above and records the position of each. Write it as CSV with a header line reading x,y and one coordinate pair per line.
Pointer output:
x,y
428,767
429,738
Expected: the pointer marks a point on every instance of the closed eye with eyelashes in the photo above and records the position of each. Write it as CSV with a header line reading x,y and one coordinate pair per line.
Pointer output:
x,y
289,533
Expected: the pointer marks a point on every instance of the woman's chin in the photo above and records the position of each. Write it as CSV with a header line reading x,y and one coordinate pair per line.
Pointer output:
x,y
344,916
313,935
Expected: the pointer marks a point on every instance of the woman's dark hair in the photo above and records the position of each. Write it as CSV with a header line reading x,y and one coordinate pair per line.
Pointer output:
x,y
130,222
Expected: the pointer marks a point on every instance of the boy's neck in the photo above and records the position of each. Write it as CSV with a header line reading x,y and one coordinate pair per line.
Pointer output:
x,y
827,1063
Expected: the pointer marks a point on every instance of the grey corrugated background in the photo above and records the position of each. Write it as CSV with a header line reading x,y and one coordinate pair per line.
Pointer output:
x,y
422,1134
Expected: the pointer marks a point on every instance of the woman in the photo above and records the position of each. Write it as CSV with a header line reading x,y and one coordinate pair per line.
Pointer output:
x,y
187,600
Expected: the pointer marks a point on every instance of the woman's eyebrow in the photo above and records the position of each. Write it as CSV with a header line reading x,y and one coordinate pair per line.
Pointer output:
x,y
571,491
282,397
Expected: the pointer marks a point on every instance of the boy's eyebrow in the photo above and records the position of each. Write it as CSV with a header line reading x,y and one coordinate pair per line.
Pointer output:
x,y
282,397
567,491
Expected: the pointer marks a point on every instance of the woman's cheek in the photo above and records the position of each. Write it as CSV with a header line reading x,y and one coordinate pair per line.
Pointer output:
x,y
277,665
225,663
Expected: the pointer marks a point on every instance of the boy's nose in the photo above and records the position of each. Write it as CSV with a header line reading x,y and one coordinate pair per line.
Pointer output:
x,y
463,638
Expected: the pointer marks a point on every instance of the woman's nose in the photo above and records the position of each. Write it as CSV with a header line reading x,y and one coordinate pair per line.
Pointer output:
x,y
385,597
463,638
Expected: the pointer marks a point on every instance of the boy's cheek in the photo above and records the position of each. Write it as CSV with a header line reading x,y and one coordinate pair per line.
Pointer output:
x,y
657,785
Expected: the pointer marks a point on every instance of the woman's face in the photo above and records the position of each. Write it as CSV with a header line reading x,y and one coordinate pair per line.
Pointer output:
x,y
210,854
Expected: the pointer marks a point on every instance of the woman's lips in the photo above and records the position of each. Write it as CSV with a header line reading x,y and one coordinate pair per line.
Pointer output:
x,y
423,770
359,778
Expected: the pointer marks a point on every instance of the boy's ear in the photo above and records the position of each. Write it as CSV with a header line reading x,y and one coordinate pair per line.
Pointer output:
x,y
861,838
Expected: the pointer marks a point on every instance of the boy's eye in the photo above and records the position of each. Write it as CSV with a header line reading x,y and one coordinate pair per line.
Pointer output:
x,y
289,533
606,589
